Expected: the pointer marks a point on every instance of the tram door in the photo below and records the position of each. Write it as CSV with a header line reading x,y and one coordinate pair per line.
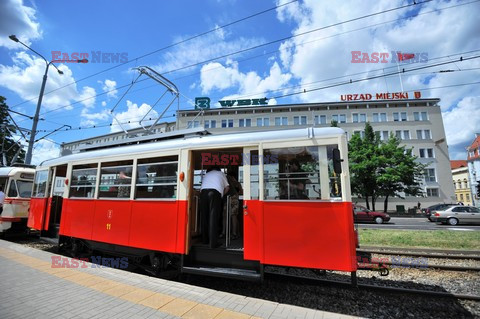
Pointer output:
x,y
229,160
251,208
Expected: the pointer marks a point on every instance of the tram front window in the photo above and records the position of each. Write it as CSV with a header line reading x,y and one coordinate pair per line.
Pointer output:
x,y
292,173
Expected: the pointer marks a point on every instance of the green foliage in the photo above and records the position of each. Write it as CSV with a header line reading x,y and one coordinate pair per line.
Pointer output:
x,y
9,147
333,123
384,169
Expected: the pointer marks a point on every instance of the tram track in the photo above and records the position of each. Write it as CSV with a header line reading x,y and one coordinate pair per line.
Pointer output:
x,y
348,285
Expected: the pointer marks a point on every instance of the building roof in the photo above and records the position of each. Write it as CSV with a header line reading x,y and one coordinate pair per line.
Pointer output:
x,y
434,102
475,148
458,163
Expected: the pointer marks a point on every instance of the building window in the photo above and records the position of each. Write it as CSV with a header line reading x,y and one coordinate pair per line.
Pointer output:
x,y
383,135
423,135
339,118
299,120
429,174
426,152
400,116
210,124
279,121
227,123
420,116
432,192
467,197
402,135
263,121
379,117
192,124
320,119
359,118
244,122
361,133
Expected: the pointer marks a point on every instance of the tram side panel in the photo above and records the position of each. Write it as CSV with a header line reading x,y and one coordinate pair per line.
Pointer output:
x,y
36,214
151,225
303,234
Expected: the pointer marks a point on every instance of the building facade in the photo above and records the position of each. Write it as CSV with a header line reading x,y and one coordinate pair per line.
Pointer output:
x,y
473,162
461,184
417,122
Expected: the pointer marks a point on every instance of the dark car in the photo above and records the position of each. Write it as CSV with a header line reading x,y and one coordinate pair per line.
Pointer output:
x,y
365,215
429,211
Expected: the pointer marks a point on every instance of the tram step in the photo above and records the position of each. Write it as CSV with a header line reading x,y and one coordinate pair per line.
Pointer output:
x,y
233,273
201,255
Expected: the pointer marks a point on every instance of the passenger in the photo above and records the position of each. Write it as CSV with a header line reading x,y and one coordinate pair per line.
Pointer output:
x,y
297,181
235,189
123,191
214,186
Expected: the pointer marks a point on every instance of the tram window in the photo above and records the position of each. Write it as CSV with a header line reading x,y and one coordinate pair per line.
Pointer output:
x,y
335,182
21,189
157,178
84,178
115,180
292,173
40,184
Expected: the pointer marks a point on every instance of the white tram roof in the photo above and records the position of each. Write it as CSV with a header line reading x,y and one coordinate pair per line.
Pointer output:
x,y
12,170
248,138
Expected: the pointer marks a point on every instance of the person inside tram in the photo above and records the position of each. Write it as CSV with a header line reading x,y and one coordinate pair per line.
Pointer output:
x,y
235,189
214,186
123,191
297,180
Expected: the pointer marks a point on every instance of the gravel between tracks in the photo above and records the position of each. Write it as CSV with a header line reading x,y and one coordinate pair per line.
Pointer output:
x,y
370,304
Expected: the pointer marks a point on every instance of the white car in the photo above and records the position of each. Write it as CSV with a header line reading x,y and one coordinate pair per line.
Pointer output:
x,y
457,214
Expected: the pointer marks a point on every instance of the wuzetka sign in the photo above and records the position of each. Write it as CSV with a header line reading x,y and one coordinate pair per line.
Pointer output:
x,y
204,103
380,96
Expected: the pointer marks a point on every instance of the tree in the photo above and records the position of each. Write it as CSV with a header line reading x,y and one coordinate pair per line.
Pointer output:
x,y
363,159
11,150
398,173
382,169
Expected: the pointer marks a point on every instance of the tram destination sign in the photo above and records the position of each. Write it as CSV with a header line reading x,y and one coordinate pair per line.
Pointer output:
x,y
380,96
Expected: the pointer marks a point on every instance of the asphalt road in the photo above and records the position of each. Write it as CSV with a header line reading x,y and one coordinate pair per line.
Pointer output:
x,y
417,224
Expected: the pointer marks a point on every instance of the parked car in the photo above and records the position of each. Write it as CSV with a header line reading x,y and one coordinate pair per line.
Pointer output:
x,y
429,211
363,214
457,214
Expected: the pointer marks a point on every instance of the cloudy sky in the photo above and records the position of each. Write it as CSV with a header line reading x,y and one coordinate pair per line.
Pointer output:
x,y
232,49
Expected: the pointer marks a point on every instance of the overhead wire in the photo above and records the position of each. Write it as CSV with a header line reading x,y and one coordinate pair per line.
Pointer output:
x,y
236,52
167,47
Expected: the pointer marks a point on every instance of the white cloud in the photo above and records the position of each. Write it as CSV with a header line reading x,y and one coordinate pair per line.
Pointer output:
x,y
104,103
91,119
460,124
87,97
109,86
24,78
131,117
20,20
44,150
215,76
203,48
318,56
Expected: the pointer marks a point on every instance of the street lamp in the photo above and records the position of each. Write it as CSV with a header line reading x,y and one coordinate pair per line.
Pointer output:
x,y
28,156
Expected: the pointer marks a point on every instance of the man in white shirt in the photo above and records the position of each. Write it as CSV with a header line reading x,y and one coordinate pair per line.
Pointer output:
x,y
214,186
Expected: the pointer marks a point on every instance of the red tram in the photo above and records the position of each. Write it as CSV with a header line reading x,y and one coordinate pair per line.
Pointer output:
x,y
141,201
